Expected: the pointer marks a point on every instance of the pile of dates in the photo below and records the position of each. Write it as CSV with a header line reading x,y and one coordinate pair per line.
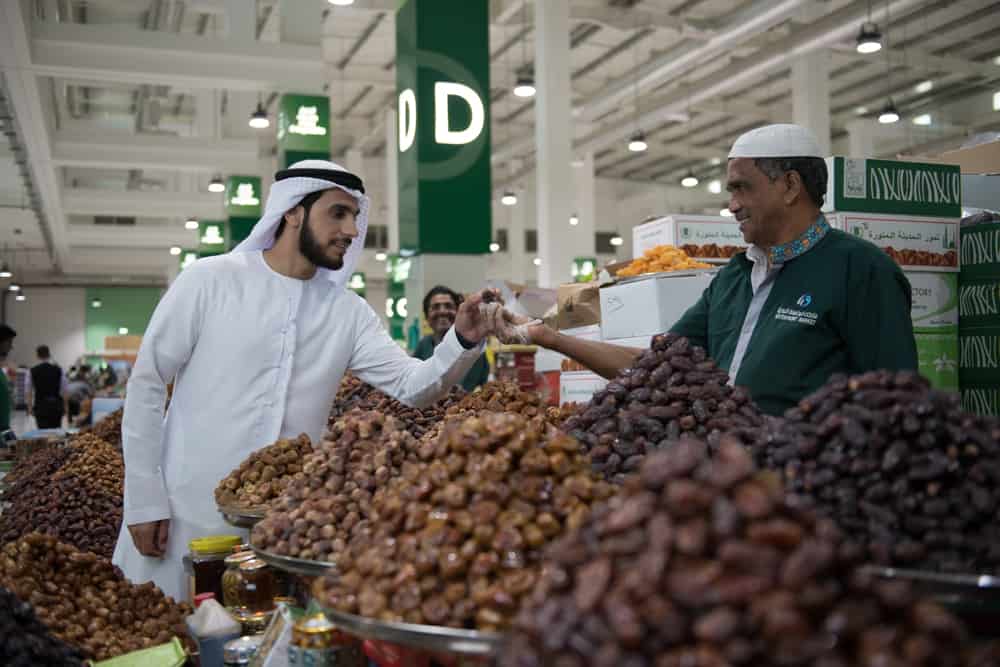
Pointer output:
x,y
264,475
672,390
698,562
354,394
911,479
457,539
329,504
26,642
85,601
108,429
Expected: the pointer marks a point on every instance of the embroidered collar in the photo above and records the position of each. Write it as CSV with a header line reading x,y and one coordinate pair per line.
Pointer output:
x,y
782,253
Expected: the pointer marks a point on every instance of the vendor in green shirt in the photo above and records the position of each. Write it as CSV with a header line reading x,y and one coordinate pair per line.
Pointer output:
x,y
440,307
7,336
803,302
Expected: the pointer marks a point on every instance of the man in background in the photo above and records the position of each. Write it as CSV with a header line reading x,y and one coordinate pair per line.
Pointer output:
x,y
7,336
46,391
440,308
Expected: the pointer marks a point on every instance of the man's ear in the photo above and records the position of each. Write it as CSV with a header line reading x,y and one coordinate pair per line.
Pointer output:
x,y
794,187
293,217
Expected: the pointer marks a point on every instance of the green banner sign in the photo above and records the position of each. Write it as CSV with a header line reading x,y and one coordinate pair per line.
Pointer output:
x,y
243,197
212,239
443,88
358,283
304,123
584,269
187,258
239,230
980,251
888,186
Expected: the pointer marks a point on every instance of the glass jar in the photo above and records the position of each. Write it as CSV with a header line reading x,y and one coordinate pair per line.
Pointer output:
x,y
239,652
205,563
231,578
256,586
318,642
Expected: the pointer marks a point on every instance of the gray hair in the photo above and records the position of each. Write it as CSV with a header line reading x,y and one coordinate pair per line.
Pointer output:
x,y
812,171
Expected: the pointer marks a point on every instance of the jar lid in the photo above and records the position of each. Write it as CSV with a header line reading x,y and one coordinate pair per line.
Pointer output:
x,y
202,597
233,559
240,651
315,624
213,544
252,564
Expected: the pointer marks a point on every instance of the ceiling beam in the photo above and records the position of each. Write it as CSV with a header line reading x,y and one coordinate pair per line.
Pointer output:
x,y
71,149
924,61
140,236
142,203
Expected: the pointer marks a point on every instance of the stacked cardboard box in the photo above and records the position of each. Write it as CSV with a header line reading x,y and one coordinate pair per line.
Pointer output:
x,y
979,326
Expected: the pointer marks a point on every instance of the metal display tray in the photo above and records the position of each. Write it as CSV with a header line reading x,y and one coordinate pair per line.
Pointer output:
x,y
241,517
952,590
300,566
426,637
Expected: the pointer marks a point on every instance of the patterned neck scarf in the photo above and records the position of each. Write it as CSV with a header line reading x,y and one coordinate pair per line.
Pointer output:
x,y
786,251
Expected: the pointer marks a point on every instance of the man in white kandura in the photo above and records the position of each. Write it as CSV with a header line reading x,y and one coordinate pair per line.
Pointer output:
x,y
256,342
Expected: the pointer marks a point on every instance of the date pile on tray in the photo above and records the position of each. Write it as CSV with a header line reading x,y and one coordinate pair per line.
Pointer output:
x,y
264,475
72,492
329,503
457,540
672,390
26,642
86,601
698,562
911,479
354,394
108,429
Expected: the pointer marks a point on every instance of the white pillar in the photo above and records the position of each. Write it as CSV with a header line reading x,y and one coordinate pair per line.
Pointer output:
x,y
301,22
512,217
861,138
391,181
207,114
241,20
585,207
553,140
811,95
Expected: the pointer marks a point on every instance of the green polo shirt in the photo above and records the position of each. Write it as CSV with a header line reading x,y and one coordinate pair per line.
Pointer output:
x,y
478,375
5,402
841,307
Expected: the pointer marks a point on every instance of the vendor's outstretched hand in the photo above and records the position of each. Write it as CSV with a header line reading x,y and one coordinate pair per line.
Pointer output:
x,y
512,329
471,322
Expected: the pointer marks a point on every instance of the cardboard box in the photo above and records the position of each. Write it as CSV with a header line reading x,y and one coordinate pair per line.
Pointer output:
x,y
916,243
579,305
647,306
579,386
979,303
935,300
705,237
894,187
981,159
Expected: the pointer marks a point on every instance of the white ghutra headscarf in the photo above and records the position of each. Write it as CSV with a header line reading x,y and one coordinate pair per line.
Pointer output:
x,y
290,187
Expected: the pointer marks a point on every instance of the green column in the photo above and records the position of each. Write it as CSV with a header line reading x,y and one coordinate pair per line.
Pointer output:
x,y
443,88
244,205
212,238
303,128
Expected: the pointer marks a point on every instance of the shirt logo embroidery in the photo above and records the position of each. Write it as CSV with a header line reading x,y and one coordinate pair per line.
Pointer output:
x,y
804,300
797,316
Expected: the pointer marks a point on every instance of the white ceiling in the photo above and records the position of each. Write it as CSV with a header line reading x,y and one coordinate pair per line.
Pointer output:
x,y
128,107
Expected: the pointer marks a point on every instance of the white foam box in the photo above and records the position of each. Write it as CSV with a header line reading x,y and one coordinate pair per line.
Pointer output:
x,y
589,332
935,300
908,239
579,386
702,231
639,342
649,306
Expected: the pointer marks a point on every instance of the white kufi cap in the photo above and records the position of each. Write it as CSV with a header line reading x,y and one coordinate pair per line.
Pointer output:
x,y
779,140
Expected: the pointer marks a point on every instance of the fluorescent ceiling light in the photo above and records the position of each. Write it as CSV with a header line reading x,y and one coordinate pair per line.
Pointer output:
x,y
14,287
537,261
689,180
616,240
122,331
341,3
996,101
381,257
861,111
96,303
869,39
715,186
922,119
20,297
716,161
726,213
5,271
494,247
259,119
508,198
191,223
924,87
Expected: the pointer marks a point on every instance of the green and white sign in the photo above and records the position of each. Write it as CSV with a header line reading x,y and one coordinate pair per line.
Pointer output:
x,y
584,269
187,258
937,359
916,243
981,400
443,95
304,123
889,186
935,301
981,251
243,197
979,303
979,354
213,238
357,283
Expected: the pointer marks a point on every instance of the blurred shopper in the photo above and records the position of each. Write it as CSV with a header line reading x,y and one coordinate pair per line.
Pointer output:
x,y
7,336
440,307
46,391
78,390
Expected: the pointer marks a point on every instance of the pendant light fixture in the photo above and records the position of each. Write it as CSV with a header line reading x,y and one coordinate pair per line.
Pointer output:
x,y
616,240
870,37
191,223
175,250
216,185
508,198
14,287
259,119
494,247
341,3
890,114
5,271
20,297
637,142
96,303
689,180
525,84
574,220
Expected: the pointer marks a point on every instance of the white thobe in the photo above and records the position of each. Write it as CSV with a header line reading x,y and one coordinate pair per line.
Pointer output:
x,y
254,356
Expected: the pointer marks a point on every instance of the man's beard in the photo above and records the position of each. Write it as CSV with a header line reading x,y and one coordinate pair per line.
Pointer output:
x,y
313,251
